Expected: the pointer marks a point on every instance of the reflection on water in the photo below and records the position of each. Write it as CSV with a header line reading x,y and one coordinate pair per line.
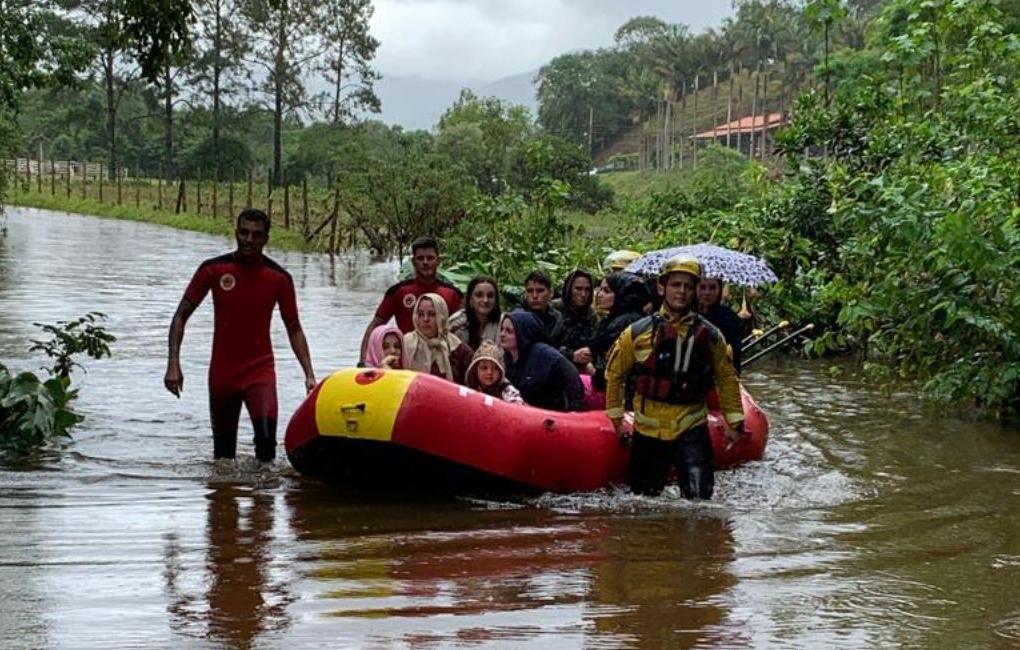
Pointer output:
x,y
872,522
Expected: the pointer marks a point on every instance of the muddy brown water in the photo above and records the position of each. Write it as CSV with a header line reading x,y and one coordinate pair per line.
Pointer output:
x,y
871,522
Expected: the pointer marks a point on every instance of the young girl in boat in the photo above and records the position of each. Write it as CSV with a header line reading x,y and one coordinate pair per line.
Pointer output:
x,y
431,348
486,374
385,348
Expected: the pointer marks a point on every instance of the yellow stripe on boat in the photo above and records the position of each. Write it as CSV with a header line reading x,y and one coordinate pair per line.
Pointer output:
x,y
361,403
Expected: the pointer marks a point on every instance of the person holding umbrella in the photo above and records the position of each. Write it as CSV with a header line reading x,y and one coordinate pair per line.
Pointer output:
x,y
675,358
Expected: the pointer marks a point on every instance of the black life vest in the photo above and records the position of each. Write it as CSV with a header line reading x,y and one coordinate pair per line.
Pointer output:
x,y
678,370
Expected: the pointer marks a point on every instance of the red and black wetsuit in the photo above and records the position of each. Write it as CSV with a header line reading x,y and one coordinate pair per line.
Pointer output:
x,y
242,367
400,298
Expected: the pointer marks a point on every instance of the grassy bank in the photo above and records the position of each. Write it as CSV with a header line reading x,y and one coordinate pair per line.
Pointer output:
x,y
282,238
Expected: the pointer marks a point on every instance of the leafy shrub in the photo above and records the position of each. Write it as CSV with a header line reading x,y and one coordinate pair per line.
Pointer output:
x,y
32,410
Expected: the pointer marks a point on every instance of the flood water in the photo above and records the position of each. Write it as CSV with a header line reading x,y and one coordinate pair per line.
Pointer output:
x,y
871,522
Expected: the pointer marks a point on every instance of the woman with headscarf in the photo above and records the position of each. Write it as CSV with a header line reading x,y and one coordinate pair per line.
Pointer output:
x,y
385,348
579,318
430,347
479,319
543,376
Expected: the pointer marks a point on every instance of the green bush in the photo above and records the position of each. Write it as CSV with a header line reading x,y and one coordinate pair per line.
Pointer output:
x,y
32,410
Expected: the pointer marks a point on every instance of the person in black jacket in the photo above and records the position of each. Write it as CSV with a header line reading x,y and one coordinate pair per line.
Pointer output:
x,y
543,376
622,296
579,318
710,306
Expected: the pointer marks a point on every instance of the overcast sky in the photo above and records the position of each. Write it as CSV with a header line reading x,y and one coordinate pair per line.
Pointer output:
x,y
486,40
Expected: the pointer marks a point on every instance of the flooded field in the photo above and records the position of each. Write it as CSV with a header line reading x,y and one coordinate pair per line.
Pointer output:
x,y
872,521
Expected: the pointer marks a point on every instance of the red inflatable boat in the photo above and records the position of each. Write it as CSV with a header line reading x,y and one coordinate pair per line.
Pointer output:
x,y
401,429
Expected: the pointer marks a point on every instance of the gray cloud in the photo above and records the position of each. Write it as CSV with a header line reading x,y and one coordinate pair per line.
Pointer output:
x,y
489,39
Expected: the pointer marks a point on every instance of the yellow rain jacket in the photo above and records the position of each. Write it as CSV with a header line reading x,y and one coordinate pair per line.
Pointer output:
x,y
659,419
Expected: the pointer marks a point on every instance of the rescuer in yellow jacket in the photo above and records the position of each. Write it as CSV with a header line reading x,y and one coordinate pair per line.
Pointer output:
x,y
673,358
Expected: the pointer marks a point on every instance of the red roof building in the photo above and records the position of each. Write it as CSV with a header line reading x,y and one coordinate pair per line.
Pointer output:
x,y
744,125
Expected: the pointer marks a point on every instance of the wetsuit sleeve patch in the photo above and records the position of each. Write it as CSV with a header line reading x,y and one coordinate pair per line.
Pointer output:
x,y
200,284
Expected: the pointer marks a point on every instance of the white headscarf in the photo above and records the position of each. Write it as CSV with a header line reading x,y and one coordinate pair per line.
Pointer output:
x,y
421,351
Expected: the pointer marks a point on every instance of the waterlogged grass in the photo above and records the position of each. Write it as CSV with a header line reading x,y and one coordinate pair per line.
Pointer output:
x,y
281,238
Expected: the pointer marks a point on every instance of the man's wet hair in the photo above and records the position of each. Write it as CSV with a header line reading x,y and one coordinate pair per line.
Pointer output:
x,y
427,241
539,277
251,214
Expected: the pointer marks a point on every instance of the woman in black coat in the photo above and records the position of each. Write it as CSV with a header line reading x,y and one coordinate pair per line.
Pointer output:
x,y
543,376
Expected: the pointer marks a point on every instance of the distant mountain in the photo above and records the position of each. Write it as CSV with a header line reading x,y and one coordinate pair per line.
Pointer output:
x,y
418,102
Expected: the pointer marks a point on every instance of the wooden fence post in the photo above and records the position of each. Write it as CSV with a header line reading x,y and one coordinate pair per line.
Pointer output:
x,y
159,190
182,201
102,170
304,207
28,172
334,218
68,172
286,202
120,197
269,195
138,188
53,178
251,180
198,197
84,179
38,176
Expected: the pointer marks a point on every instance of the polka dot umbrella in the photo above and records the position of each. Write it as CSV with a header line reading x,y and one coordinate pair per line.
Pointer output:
x,y
717,262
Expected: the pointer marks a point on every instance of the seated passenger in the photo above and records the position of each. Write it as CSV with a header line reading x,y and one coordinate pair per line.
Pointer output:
x,y
579,319
430,347
710,306
537,296
544,376
486,374
622,297
479,320
385,348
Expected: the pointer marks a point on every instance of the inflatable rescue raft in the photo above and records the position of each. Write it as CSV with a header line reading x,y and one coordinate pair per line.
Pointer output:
x,y
407,430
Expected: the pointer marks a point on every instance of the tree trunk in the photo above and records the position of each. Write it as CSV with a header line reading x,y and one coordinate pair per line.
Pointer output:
x,y
217,73
279,73
764,112
111,110
168,118
754,112
339,81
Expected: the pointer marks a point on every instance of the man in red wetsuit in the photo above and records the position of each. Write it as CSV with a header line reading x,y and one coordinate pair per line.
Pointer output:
x,y
400,298
246,287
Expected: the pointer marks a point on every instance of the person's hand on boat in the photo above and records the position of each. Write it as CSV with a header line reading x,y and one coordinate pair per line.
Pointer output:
x,y
623,431
733,434
582,356
174,378
310,383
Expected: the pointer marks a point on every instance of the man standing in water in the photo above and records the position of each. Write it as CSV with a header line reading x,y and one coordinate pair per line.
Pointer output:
x,y
246,287
400,298
676,357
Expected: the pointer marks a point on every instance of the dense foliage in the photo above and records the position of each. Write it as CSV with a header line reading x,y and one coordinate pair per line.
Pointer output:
x,y
897,226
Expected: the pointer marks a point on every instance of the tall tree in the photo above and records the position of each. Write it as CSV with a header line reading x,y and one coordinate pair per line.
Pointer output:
x,y
347,61
283,34
106,26
216,70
